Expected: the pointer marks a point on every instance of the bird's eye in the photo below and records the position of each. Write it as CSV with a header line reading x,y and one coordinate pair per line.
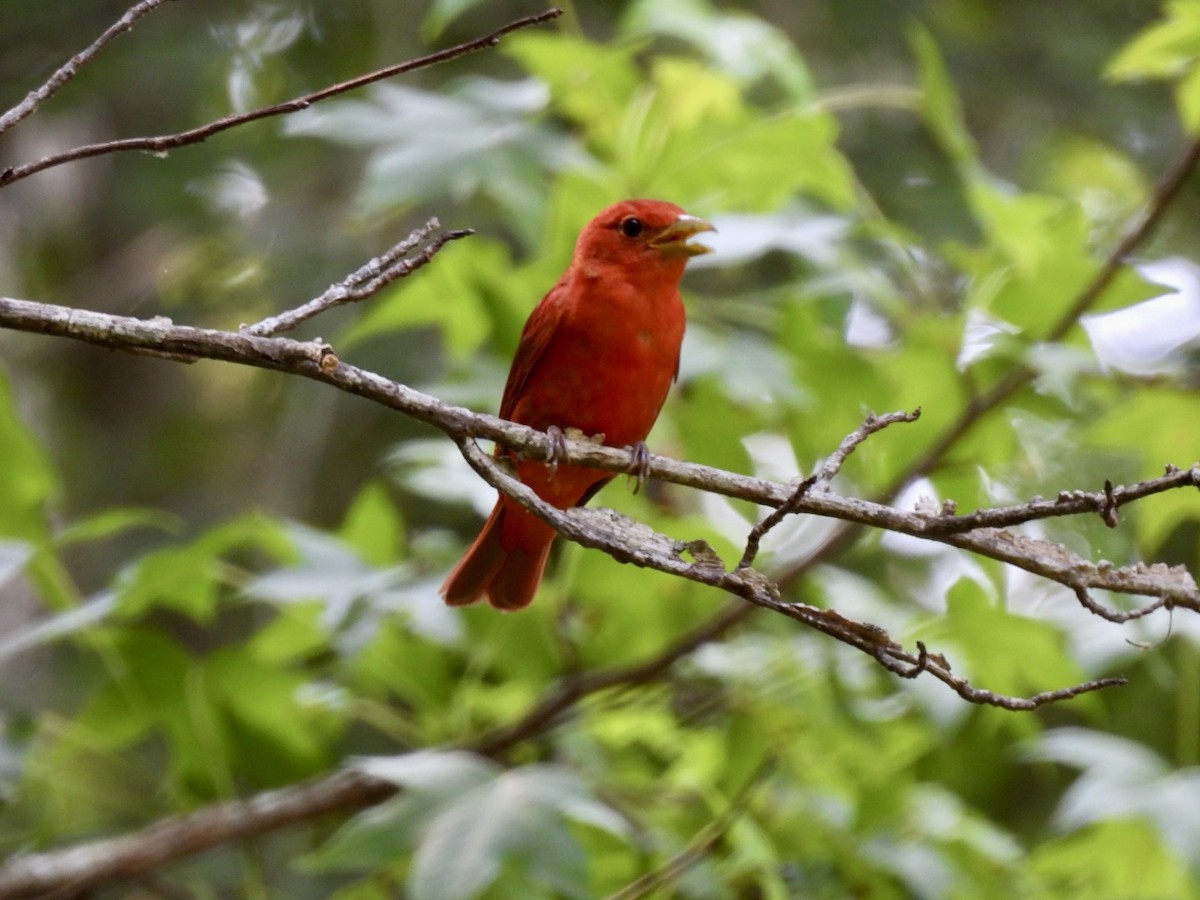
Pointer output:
x,y
631,226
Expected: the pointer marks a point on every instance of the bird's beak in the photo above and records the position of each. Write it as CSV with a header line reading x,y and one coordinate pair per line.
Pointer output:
x,y
673,240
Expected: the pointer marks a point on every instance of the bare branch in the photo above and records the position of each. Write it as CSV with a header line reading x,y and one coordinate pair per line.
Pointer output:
x,y
1066,503
365,282
1112,615
633,542
873,424
789,507
71,67
162,143
822,478
73,871
319,362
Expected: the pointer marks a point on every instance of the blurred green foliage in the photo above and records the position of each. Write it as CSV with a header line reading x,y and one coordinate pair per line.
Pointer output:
x,y
214,581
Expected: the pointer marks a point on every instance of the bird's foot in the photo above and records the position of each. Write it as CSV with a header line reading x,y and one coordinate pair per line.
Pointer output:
x,y
558,448
639,468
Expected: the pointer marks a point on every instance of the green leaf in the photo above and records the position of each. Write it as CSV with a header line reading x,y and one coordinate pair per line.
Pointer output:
x,y
327,570
1187,98
1037,260
756,165
443,773
272,737
147,693
399,662
455,297
940,106
113,522
517,816
428,779
1166,49
296,632
742,46
190,579
997,643
372,839
442,13
590,83
1164,420
1109,186
1123,857
1025,226
1121,778
27,480
480,136
373,526
468,819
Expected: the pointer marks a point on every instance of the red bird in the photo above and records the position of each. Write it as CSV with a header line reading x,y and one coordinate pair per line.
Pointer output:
x,y
598,354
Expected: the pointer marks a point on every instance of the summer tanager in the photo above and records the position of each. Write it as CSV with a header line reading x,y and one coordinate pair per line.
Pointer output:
x,y
598,354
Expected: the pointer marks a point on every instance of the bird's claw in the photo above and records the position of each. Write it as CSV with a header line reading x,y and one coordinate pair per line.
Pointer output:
x,y
558,448
639,468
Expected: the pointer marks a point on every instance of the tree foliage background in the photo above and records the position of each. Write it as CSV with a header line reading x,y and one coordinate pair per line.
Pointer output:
x,y
215,580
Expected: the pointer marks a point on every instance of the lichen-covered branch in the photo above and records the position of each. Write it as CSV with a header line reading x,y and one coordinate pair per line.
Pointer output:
x,y
981,532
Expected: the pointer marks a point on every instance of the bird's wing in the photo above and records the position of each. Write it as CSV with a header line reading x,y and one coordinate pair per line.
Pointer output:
x,y
535,338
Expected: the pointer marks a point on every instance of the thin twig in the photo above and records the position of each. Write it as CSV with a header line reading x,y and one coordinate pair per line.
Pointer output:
x,y
568,692
162,143
700,846
1136,234
365,282
71,67
1112,615
1067,502
873,424
789,507
822,478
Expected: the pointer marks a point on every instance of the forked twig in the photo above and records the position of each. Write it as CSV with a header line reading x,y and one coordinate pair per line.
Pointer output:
x,y
821,478
365,282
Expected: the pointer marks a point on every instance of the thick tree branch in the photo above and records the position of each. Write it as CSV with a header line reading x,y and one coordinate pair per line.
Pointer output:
x,y
163,143
985,534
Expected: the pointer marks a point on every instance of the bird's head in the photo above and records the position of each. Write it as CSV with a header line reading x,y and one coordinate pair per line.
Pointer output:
x,y
642,234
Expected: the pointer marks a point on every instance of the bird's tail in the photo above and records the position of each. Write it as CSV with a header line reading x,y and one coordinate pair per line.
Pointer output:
x,y
506,562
